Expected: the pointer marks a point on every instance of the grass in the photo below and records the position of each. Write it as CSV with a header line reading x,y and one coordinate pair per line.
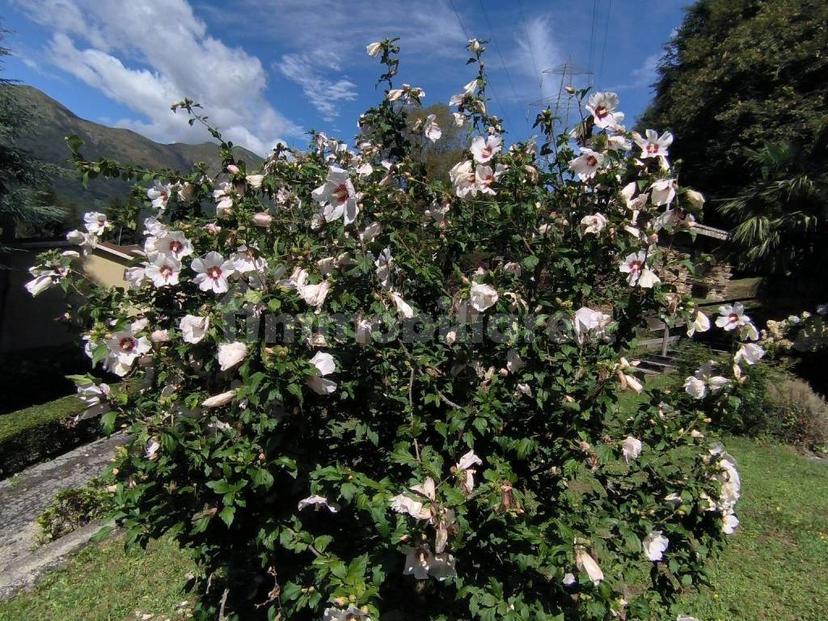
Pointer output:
x,y
776,566
104,582
22,421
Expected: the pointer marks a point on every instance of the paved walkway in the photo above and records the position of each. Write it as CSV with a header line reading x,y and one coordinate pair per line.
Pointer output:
x,y
24,496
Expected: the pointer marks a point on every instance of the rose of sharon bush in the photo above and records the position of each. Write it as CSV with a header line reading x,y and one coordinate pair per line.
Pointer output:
x,y
353,409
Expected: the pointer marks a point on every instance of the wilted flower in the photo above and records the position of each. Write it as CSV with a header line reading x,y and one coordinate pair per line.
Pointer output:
x,y
698,384
588,565
93,394
482,296
588,322
421,563
403,308
593,224
352,613
373,49
464,468
318,502
431,129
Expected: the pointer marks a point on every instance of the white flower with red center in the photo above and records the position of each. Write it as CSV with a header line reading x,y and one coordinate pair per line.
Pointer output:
x,y
431,129
463,178
593,224
586,165
484,149
663,191
732,317
124,348
159,195
163,271
337,196
653,145
212,271
172,243
324,365
96,223
638,274
602,107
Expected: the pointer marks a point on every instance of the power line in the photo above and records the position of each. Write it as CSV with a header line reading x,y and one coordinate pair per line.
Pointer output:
x,y
532,52
592,35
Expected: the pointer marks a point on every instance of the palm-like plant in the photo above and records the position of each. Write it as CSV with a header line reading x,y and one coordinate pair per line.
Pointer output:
x,y
781,218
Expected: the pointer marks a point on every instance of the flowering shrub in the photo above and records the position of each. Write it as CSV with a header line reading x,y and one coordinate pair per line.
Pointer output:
x,y
362,393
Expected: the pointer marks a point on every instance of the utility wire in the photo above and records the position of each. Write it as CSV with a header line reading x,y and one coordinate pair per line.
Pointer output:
x,y
592,36
604,45
535,68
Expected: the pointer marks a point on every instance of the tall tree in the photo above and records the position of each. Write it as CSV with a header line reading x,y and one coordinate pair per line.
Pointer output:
x,y
25,200
739,75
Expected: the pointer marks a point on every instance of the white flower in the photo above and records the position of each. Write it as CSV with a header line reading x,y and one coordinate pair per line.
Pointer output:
x,y
383,264
44,278
594,224
695,387
568,579
223,196
635,265
193,328
352,613
514,362
686,618
729,523
403,308
212,272
370,232
655,544
317,502
482,296
255,181
325,365
483,149
124,348
732,317
421,563
631,448
337,196
135,276
403,504
172,243
374,48
87,241
465,468
459,118
653,145
95,222
703,380
160,336
663,191
463,179
586,164
700,323
589,322
751,353
159,195
262,219
588,565
163,270
432,130
93,394
484,177
151,451
634,204
602,107
231,354
216,401
314,295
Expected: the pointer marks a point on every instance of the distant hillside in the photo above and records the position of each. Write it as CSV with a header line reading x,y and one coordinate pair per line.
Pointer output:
x,y
51,122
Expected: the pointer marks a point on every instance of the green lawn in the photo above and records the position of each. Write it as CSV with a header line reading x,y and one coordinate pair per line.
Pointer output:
x,y
774,570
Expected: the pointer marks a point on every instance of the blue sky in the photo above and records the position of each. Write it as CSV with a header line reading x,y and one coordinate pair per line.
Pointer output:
x,y
269,70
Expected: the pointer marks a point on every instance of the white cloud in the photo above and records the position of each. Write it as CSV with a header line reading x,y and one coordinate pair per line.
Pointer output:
x,y
537,51
308,71
148,54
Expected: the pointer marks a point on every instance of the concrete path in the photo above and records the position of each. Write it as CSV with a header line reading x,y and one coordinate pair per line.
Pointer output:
x,y
24,496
